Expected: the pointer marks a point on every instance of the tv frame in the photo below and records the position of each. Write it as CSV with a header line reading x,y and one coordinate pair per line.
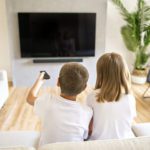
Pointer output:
x,y
65,58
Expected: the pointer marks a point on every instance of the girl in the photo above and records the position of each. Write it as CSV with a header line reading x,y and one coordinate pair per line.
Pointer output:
x,y
112,102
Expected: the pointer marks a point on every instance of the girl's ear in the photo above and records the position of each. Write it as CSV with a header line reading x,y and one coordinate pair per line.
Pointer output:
x,y
58,83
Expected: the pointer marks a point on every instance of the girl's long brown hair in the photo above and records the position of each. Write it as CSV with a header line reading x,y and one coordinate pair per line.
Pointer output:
x,y
113,77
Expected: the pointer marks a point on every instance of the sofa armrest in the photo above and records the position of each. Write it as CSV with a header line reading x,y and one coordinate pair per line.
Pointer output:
x,y
19,138
3,87
141,129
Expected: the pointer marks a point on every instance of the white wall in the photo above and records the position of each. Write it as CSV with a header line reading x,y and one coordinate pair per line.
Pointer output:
x,y
5,59
108,38
24,71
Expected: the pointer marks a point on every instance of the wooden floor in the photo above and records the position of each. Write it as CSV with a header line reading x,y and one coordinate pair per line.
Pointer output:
x,y
142,104
16,114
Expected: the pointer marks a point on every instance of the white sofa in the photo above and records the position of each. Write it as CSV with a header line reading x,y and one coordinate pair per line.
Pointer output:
x,y
3,87
27,140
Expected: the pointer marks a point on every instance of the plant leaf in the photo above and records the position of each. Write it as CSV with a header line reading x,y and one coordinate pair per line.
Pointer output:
x,y
129,38
147,38
124,12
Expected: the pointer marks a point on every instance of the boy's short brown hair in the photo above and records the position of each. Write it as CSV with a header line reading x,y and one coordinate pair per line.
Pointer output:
x,y
73,78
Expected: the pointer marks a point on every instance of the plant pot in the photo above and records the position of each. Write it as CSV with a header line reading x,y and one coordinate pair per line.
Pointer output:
x,y
139,76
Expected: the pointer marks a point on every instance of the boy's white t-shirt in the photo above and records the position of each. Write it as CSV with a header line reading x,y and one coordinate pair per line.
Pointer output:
x,y
62,120
112,120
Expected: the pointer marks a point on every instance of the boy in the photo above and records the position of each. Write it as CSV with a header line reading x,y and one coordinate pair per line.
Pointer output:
x,y
63,118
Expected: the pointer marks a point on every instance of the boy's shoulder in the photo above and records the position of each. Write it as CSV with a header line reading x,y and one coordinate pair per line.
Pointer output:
x,y
49,98
86,109
45,99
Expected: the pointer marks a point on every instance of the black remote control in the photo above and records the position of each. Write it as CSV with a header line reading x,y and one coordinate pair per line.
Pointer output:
x,y
46,75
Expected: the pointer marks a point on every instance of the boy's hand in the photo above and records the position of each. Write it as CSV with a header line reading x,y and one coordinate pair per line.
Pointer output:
x,y
41,76
46,75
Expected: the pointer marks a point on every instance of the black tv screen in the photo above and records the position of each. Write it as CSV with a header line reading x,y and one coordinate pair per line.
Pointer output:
x,y
57,34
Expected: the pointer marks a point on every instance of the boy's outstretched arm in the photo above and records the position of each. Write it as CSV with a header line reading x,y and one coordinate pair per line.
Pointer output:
x,y
33,93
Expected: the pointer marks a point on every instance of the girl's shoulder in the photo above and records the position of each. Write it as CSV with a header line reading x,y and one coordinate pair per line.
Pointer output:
x,y
91,97
128,96
93,93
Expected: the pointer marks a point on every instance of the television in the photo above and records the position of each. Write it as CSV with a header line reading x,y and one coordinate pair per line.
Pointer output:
x,y
57,34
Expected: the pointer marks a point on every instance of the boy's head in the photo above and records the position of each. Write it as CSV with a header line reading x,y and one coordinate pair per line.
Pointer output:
x,y
73,78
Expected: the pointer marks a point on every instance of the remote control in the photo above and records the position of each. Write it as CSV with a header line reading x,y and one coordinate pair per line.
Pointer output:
x,y
46,75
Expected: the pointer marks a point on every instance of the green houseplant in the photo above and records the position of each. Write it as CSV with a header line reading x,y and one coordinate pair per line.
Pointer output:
x,y
136,33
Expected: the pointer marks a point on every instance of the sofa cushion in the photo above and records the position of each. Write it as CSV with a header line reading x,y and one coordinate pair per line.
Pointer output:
x,y
17,148
19,138
141,129
124,144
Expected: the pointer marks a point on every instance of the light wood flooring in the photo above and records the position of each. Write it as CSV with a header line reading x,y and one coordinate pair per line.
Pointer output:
x,y
16,114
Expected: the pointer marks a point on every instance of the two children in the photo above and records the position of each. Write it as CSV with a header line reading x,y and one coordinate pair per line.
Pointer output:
x,y
64,119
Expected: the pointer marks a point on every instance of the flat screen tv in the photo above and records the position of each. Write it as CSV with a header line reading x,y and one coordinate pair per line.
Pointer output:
x,y
57,34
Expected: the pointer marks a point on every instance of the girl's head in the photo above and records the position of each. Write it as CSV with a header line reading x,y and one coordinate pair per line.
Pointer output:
x,y
113,77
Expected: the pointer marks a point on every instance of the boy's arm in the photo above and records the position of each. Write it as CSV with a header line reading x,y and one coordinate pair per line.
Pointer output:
x,y
33,93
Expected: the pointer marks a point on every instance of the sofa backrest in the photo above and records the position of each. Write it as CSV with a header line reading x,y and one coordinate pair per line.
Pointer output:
x,y
141,143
